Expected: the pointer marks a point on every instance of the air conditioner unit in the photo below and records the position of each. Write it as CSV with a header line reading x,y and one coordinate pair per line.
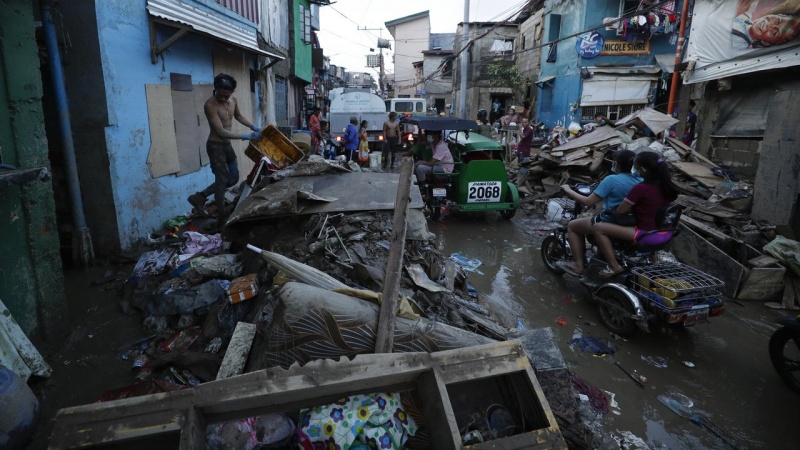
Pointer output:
x,y
611,23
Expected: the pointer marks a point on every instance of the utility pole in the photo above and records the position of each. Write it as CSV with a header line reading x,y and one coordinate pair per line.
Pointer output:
x,y
462,93
382,44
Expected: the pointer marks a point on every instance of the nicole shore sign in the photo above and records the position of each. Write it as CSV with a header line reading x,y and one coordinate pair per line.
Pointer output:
x,y
625,48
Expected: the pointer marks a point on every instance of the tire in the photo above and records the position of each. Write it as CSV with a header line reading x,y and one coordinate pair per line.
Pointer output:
x,y
616,315
508,213
553,251
786,340
436,212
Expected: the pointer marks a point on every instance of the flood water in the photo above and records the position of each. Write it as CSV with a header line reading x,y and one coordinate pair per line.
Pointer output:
x,y
732,383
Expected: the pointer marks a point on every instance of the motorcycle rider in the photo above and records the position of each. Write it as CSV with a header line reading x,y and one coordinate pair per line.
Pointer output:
x,y
645,200
611,191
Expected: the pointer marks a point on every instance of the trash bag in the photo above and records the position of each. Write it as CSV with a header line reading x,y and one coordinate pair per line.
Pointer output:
x,y
222,266
787,251
177,296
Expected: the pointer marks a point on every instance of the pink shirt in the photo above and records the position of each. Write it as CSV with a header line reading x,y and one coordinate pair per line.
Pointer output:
x,y
441,153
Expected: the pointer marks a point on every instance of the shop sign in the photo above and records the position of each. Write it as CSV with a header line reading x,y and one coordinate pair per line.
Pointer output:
x,y
611,48
589,44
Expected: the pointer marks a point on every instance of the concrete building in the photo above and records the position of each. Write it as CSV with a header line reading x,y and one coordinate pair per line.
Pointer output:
x,y
529,55
31,279
137,87
411,37
437,71
490,42
612,71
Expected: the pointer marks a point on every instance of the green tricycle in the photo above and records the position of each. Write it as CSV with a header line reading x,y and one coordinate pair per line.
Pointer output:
x,y
478,181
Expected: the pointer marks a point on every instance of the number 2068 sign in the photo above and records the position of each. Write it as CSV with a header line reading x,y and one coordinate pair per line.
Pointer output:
x,y
483,191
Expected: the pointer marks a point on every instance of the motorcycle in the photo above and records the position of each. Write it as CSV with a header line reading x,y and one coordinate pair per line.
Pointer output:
x,y
784,351
646,291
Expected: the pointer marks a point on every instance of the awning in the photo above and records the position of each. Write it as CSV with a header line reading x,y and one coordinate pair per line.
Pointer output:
x,y
666,62
600,91
542,81
208,24
633,70
501,90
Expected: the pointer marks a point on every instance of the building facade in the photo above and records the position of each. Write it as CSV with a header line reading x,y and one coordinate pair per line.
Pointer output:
x,y
411,37
613,70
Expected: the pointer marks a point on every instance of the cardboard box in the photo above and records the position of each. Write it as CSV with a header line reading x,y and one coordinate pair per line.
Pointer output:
x,y
243,288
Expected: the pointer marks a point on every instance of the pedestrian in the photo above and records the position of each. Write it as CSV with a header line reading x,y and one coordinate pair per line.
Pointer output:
x,y
511,118
391,133
526,110
691,125
525,140
220,110
351,140
495,111
484,129
363,144
315,126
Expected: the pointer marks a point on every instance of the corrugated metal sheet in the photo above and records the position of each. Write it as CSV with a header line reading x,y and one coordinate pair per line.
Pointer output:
x,y
206,23
245,8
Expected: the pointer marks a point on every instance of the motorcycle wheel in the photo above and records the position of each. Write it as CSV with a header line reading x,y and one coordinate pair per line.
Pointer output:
x,y
508,213
616,314
436,212
784,352
553,252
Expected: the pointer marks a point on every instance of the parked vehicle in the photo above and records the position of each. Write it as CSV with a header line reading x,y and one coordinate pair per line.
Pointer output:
x,y
646,292
407,107
363,105
784,351
478,181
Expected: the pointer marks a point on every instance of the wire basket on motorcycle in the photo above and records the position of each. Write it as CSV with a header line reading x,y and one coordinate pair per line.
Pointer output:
x,y
559,210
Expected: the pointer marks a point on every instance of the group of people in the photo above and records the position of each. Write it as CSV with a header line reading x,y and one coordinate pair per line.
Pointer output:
x,y
356,141
641,185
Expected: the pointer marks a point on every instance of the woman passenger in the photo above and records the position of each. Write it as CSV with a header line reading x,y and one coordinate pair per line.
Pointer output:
x,y
611,190
645,199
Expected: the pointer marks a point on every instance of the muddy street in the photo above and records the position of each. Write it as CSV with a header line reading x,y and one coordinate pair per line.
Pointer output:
x,y
732,381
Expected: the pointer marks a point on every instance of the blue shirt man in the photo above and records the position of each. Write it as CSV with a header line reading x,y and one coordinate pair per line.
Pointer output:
x,y
351,138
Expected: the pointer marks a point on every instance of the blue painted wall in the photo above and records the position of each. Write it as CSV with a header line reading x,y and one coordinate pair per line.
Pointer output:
x,y
577,16
141,202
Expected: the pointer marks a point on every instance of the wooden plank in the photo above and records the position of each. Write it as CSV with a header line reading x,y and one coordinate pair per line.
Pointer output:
x,y
762,283
762,261
701,216
701,173
705,229
686,150
238,350
450,271
394,262
201,93
163,156
694,250
193,430
706,207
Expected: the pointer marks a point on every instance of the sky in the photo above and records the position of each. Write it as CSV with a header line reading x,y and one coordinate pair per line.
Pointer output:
x,y
347,46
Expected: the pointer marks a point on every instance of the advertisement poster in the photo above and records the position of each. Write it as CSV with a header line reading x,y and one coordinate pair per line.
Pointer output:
x,y
764,23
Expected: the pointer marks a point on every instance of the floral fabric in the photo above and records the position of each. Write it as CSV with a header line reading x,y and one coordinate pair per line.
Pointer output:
x,y
375,421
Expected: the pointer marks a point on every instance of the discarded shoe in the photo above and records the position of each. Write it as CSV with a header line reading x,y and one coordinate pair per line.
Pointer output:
x,y
198,200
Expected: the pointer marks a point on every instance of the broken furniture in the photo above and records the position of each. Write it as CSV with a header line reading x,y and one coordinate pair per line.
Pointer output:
x,y
445,384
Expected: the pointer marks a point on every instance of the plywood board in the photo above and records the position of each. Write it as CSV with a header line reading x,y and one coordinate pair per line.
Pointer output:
x,y
163,156
238,350
235,64
201,93
699,172
187,135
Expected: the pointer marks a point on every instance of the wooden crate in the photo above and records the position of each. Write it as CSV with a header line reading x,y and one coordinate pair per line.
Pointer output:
x,y
179,419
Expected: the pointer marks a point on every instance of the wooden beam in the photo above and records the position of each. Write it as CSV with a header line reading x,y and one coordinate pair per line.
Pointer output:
x,y
193,431
394,264
238,350
705,229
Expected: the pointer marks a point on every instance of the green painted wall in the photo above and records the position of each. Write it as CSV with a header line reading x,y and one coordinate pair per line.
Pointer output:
x,y
31,278
302,51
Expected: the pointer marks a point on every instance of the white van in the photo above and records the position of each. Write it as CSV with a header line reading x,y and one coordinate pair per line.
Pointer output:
x,y
407,107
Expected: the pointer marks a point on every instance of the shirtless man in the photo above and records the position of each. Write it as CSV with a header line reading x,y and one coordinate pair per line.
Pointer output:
x,y
220,109
391,134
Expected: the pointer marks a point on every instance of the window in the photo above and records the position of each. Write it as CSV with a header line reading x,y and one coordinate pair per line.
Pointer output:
x,y
447,68
554,31
420,107
304,14
502,46
612,112
547,99
281,102
404,107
